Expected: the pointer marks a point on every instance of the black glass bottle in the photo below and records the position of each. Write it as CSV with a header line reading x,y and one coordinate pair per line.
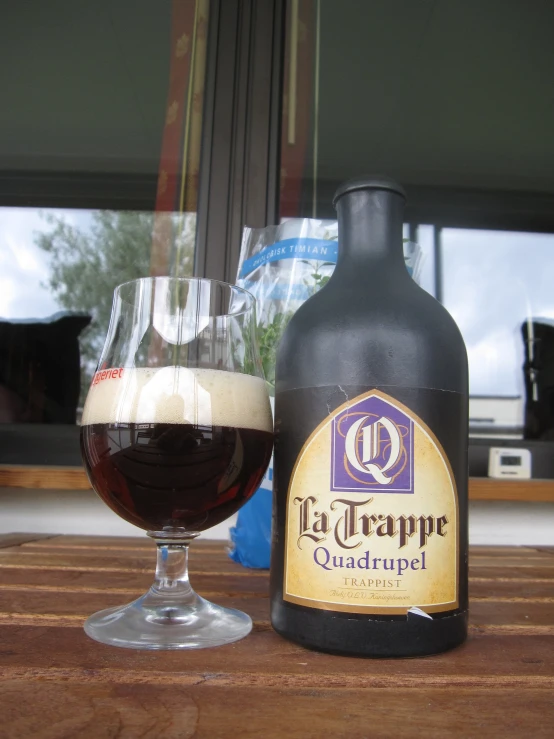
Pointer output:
x,y
369,551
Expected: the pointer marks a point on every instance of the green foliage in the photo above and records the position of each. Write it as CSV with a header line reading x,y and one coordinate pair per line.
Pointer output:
x,y
269,336
317,279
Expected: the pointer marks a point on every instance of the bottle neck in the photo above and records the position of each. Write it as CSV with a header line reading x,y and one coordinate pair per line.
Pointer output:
x,y
370,231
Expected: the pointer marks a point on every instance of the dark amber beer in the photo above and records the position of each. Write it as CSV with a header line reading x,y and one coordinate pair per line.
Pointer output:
x,y
175,447
370,474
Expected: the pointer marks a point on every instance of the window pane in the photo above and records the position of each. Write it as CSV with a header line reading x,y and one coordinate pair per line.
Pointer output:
x,y
99,98
425,238
440,95
58,269
99,164
448,99
496,284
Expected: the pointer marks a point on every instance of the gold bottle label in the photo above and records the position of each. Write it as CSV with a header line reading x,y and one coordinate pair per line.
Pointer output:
x,y
372,514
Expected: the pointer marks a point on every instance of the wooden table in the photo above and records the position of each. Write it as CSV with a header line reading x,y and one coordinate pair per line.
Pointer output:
x,y
56,682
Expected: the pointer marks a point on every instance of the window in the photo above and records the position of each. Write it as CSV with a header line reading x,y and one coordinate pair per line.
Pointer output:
x,y
58,271
498,287
154,118
452,100
100,142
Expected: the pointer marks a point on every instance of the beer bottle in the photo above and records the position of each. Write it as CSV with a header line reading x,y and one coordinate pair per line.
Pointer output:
x,y
369,552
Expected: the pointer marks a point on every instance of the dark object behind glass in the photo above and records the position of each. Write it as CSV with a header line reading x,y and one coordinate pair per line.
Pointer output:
x,y
40,369
538,373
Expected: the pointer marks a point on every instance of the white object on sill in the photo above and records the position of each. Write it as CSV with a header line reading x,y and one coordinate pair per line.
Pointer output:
x,y
508,462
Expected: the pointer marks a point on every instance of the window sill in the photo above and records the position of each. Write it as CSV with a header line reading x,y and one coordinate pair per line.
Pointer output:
x,y
74,478
485,488
43,478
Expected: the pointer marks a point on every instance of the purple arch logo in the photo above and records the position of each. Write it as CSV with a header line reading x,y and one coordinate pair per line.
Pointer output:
x,y
372,449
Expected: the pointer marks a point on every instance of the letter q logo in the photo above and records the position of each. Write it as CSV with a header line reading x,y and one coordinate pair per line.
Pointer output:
x,y
373,445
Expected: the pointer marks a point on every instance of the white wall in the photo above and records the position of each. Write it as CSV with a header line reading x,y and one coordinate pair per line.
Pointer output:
x,y
70,512
511,523
82,512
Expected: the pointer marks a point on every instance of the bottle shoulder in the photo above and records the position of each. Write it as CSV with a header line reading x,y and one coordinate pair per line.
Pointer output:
x,y
392,307
395,333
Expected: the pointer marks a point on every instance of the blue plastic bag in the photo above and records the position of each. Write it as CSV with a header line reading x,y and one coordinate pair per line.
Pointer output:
x,y
252,534
282,266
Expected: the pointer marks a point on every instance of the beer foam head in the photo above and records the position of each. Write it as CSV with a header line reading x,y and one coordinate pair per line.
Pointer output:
x,y
178,395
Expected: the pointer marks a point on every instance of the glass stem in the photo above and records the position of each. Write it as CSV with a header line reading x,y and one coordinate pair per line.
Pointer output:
x,y
171,581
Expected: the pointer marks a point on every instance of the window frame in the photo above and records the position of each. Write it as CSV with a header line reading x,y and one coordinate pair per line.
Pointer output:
x,y
239,175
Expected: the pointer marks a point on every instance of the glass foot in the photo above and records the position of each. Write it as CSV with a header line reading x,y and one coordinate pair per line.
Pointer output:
x,y
154,622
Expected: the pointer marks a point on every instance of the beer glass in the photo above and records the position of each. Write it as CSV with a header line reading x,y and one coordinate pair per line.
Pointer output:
x,y
176,436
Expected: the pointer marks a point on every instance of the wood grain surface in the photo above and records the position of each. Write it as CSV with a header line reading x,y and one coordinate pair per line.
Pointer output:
x,y
56,682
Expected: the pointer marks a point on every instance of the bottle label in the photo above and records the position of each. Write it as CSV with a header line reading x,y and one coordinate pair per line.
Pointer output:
x,y
372,514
